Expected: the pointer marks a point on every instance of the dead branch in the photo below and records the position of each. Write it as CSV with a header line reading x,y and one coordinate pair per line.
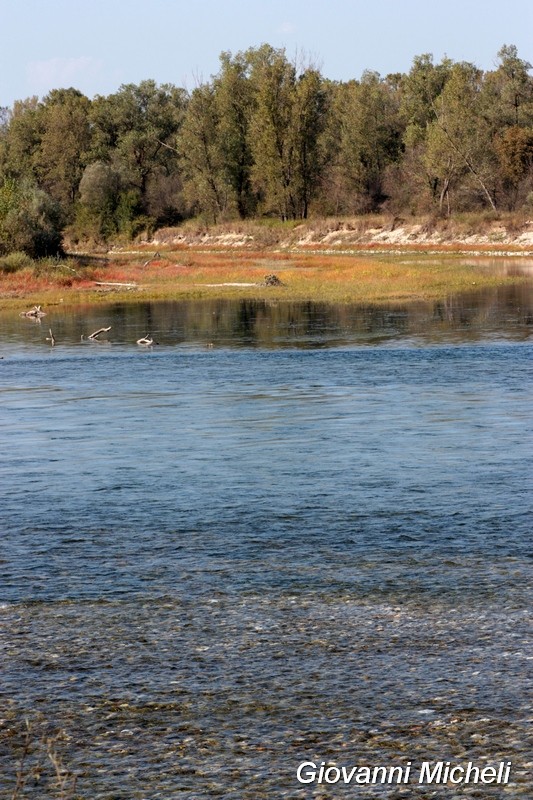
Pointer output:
x,y
154,258
107,283
163,144
147,340
98,332
34,312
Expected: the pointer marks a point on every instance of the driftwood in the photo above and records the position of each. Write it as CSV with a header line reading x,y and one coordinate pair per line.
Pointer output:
x,y
147,340
97,333
154,257
51,338
108,283
34,312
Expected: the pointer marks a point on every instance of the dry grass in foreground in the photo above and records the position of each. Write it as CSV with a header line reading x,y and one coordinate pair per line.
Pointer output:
x,y
194,273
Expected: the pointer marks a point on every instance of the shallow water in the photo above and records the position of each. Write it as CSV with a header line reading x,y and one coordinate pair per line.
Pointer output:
x,y
308,541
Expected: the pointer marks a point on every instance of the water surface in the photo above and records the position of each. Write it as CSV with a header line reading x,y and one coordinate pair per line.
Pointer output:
x,y
285,533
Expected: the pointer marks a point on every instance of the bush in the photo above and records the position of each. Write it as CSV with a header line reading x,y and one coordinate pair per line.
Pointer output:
x,y
30,221
14,262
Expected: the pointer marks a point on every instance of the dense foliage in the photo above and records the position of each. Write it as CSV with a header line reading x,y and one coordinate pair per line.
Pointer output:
x,y
266,137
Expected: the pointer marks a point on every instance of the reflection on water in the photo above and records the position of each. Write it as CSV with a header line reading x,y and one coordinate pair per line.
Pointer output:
x,y
505,311
216,563
512,266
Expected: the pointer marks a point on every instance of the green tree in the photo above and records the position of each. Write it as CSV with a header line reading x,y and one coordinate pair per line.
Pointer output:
x,y
30,220
412,181
514,150
511,87
21,137
206,183
65,140
96,216
285,129
419,90
233,97
136,128
369,139
308,123
507,107
459,150
272,78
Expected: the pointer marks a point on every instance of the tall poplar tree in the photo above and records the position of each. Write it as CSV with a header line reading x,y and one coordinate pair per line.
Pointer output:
x,y
233,99
206,184
459,144
65,140
369,139
286,124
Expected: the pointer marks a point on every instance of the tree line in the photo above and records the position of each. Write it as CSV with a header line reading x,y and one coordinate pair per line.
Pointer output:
x,y
266,137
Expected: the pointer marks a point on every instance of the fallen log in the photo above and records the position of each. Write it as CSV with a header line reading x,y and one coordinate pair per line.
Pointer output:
x,y
98,332
108,283
147,341
34,312
154,257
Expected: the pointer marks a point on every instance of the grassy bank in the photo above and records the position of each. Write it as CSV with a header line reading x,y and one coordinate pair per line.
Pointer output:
x,y
194,272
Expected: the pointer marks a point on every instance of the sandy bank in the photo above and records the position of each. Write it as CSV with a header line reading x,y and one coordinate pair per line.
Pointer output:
x,y
357,234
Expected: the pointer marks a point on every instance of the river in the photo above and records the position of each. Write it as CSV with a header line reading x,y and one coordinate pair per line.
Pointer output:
x,y
283,533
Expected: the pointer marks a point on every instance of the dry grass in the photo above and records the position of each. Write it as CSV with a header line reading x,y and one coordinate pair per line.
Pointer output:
x,y
187,273
40,764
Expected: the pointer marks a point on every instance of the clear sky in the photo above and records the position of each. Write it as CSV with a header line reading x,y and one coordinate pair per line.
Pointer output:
x,y
97,45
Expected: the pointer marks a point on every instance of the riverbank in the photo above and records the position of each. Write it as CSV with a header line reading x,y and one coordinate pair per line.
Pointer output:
x,y
336,261
467,233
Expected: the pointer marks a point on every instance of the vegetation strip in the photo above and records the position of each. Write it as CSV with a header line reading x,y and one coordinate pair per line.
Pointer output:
x,y
302,276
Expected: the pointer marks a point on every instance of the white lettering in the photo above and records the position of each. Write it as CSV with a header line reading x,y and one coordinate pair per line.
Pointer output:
x,y
426,776
336,772
488,775
363,775
452,777
347,776
469,770
310,775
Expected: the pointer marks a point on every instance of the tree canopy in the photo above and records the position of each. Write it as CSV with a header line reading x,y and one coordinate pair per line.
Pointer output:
x,y
271,136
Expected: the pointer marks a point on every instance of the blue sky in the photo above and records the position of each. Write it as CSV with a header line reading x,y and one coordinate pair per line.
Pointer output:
x,y
96,45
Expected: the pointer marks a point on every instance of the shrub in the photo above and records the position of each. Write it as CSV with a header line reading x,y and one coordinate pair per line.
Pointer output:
x,y
30,221
13,262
